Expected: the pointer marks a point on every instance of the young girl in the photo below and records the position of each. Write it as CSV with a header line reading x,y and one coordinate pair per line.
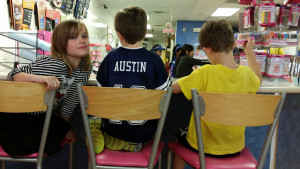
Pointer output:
x,y
69,64
176,52
185,62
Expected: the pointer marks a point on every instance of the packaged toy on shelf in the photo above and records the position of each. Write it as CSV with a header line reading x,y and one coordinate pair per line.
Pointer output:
x,y
283,17
294,15
249,17
96,54
292,38
261,60
286,66
267,14
274,65
278,38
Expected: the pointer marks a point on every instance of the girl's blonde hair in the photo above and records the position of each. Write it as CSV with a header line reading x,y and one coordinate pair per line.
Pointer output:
x,y
60,38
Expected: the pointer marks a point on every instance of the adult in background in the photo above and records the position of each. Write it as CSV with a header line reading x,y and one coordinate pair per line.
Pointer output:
x,y
175,55
185,62
157,49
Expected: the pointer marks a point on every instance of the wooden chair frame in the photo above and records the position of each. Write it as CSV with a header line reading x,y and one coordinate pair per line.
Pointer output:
x,y
30,97
125,105
243,110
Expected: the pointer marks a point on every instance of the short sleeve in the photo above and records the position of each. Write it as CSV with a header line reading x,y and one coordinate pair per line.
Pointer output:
x,y
102,75
254,82
162,79
25,69
192,81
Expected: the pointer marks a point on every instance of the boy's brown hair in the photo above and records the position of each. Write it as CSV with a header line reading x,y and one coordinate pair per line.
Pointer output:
x,y
60,37
131,23
218,35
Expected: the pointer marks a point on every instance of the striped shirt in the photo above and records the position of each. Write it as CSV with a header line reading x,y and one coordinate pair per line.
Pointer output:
x,y
66,95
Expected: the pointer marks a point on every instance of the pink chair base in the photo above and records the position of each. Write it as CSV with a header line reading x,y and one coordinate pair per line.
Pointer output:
x,y
4,154
34,155
244,161
128,159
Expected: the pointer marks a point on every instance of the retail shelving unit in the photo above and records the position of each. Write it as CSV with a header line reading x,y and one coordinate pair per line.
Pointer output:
x,y
14,52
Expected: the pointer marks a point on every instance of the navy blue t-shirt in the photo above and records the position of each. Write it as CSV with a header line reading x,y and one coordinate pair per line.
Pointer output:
x,y
132,68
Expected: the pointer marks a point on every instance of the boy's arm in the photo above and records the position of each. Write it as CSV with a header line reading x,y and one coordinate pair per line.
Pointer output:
x,y
251,59
176,87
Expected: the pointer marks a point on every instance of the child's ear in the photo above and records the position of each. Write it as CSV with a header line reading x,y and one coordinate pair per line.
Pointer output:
x,y
120,36
207,50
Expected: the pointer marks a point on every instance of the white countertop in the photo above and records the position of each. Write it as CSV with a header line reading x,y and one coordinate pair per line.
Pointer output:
x,y
269,85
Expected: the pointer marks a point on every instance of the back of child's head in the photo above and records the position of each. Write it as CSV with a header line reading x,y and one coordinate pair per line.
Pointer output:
x,y
218,35
59,42
157,47
175,50
186,48
131,23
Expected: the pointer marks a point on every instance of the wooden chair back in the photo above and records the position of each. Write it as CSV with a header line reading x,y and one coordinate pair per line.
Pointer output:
x,y
237,109
124,104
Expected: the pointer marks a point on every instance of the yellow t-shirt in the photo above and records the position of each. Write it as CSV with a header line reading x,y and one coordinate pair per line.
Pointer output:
x,y
219,139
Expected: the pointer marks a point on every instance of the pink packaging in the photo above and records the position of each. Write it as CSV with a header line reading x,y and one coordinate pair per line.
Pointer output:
x,y
286,66
261,60
267,14
46,36
274,66
243,59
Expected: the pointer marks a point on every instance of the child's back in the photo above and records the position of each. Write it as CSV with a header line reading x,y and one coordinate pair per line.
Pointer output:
x,y
132,66
224,75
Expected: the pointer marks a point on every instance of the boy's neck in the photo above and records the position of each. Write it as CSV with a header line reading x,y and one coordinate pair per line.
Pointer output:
x,y
138,44
225,59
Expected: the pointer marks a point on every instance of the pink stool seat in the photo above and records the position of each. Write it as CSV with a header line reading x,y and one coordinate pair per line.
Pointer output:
x,y
4,154
34,155
243,161
128,159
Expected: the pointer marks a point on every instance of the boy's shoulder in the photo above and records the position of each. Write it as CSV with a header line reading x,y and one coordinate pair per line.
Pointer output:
x,y
137,51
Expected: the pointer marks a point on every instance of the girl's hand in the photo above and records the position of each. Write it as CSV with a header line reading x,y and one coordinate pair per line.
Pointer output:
x,y
70,136
195,67
51,81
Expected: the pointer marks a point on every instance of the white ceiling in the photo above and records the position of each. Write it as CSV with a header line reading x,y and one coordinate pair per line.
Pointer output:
x,y
162,11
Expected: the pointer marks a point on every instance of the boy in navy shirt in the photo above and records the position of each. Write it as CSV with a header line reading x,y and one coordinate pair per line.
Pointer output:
x,y
130,66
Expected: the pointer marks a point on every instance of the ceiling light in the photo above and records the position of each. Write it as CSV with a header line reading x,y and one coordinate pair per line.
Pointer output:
x,y
148,26
149,35
148,18
225,11
91,16
99,25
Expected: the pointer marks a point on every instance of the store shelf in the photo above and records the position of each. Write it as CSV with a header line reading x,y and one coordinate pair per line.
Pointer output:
x,y
15,49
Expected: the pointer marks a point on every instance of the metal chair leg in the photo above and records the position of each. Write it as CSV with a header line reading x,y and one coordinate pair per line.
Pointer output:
x,y
3,164
169,159
89,165
159,162
71,156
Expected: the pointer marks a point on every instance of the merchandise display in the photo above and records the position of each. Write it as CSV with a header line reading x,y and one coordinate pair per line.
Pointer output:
x,y
274,37
97,52
25,45
267,14
30,40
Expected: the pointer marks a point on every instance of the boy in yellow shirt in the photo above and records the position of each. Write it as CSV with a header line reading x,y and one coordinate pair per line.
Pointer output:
x,y
223,75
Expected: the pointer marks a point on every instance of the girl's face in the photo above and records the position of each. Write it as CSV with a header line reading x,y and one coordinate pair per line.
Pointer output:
x,y
78,45
159,52
191,54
